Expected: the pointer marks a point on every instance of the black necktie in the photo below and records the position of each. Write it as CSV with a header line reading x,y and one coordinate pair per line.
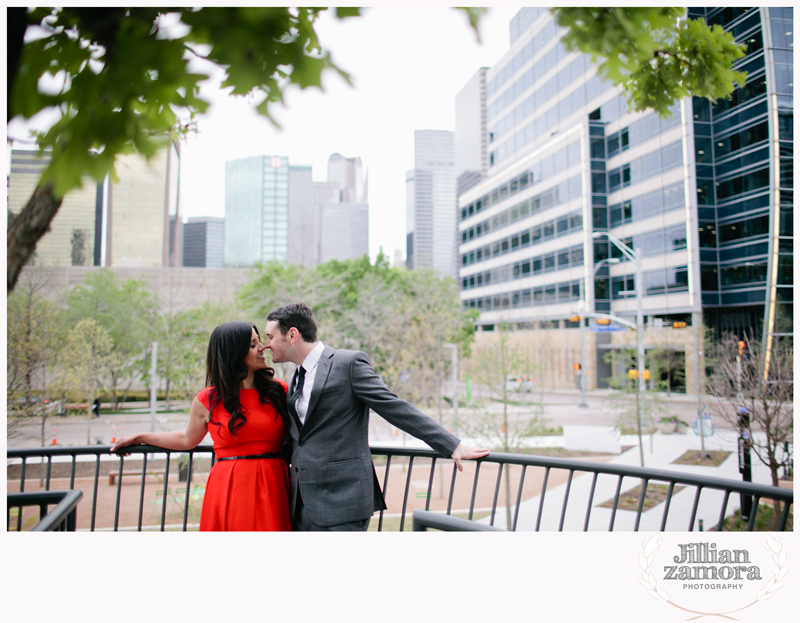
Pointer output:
x,y
298,391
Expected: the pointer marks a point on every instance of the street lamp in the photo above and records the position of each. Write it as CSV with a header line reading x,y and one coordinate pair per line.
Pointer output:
x,y
636,258
608,260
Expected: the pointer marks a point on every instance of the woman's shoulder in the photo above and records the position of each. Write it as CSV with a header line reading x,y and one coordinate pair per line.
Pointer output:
x,y
283,383
204,395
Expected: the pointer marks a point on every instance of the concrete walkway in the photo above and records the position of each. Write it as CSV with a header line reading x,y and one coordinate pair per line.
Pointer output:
x,y
665,450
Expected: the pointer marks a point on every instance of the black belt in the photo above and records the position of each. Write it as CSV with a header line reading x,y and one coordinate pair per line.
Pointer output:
x,y
272,455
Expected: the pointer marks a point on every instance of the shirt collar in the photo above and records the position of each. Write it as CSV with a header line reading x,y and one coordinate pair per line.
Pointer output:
x,y
313,357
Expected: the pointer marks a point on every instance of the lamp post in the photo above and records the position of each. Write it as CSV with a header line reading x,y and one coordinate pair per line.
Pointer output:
x,y
636,258
582,302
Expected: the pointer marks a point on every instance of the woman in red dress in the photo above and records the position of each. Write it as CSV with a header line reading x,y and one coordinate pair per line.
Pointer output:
x,y
244,409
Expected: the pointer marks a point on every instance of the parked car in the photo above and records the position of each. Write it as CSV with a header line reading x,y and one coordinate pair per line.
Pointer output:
x,y
519,383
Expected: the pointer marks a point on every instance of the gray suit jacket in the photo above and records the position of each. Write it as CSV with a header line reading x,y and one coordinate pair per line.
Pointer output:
x,y
331,462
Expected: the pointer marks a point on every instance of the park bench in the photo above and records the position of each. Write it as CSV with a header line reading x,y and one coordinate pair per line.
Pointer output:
x,y
112,476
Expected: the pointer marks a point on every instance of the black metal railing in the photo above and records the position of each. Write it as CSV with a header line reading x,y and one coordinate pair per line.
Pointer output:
x,y
425,462
423,520
62,518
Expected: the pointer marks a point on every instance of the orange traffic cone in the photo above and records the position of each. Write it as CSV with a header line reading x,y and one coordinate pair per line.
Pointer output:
x,y
55,443
113,439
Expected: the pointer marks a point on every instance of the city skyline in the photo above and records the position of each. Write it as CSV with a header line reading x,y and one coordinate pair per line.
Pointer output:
x,y
359,121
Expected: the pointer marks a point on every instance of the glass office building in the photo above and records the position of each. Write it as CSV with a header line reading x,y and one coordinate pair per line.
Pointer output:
x,y
256,210
705,193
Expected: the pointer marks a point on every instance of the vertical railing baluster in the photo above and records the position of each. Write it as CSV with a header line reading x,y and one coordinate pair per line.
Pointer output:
x,y
141,492
164,492
188,490
642,496
667,502
753,512
49,471
94,492
430,485
119,491
566,500
589,504
784,516
452,488
541,498
72,471
694,508
385,485
405,496
475,488
519,498
21,490
721,522
614,506
496,492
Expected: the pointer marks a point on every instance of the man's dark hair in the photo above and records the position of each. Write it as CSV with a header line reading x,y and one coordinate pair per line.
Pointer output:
x,y
297,315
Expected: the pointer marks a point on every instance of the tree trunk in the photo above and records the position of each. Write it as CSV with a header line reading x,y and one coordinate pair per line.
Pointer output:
x,y
27,229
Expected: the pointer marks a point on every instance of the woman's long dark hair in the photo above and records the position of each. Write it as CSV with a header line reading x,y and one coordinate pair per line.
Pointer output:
x,y
225,370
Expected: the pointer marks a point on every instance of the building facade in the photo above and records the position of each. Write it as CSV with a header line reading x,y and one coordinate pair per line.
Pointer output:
x,y
73,239
203,242
430,197
256,210
133,222
699,193
470,139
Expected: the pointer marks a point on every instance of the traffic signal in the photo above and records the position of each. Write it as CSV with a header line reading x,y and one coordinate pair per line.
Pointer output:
x,y
603,321
574,318
576,367
741,348
678,325
634,374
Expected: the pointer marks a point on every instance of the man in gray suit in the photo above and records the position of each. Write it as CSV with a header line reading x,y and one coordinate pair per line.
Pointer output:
x,y
333,485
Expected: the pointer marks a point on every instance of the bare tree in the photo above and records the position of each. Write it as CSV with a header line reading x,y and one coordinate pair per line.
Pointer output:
x,y
743,378
507,429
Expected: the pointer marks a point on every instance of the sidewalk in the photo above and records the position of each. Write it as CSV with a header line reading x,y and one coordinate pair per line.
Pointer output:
x,y
666,449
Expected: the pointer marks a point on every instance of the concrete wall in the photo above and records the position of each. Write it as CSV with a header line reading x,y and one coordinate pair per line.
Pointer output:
x,y
178,288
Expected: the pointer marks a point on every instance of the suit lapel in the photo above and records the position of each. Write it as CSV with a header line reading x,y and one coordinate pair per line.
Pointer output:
x,y
323,369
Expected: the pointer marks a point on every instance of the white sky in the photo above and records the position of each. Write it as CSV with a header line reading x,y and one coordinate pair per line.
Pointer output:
x,y
406,63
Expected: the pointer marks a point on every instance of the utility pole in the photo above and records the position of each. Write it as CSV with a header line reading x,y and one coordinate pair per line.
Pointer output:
x,y
153,385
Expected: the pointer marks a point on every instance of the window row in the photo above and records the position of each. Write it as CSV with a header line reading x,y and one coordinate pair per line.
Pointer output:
x,y
552,197
649,204
564,292
751,90
658,281
545,122
525,54
664,159
733,232
639,131
528,237
548,166
547,263
738,140
742,184
538,98
712,278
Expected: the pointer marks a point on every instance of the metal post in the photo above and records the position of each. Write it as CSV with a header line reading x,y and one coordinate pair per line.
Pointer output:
x,y
153,384
582,306
640,347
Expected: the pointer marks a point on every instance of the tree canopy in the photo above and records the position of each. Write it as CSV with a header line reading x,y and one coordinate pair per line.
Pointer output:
x,y
656,54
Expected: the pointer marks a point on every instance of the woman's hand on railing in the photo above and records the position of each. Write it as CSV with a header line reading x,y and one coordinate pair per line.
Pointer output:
x,y
125,441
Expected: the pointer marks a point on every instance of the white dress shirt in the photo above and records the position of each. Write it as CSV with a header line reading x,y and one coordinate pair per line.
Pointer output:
x,y
310,365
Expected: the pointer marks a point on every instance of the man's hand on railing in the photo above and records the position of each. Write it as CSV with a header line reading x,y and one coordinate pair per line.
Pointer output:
x,y
465,452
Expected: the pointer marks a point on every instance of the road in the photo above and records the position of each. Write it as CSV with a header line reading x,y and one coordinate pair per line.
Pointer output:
x,y
560,408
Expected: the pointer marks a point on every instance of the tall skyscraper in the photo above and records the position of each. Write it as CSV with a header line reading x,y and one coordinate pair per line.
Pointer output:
x,y
430,197
143,220
471,156
303,218
72,239
136,219
256,210
348,174
203,242
705,194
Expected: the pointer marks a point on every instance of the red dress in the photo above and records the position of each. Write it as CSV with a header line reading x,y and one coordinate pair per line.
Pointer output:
x,y
246,494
